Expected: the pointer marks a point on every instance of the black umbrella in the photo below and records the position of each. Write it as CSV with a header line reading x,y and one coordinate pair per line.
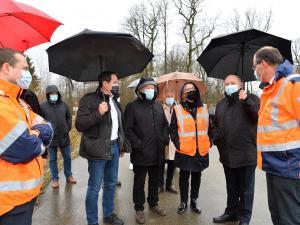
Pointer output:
x,y
85,55
233,53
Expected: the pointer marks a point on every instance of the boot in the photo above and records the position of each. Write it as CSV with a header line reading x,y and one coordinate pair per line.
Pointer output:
x,y
182,208
194,206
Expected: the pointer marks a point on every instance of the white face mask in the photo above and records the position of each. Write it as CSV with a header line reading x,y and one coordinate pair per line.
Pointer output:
x,y
170,101
231,88
25,80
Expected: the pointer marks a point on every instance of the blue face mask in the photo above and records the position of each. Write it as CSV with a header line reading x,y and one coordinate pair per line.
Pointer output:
x,y
170,101
231,88
25,80
149,94
53,98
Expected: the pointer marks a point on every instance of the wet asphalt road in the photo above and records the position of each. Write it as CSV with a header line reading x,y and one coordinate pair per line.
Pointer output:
x,y
65,206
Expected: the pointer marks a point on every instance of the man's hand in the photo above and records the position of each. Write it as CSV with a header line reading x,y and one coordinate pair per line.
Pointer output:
x,y
103,108
34,132
243,95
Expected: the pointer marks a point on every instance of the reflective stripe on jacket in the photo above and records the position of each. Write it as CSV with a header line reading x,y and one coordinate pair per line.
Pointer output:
x,y
278,132
188,135
21,173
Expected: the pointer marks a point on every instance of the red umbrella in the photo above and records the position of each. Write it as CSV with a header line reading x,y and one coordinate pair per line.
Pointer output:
x,y
23,26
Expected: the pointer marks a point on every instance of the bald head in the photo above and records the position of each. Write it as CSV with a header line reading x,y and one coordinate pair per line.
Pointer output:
x,y
233,79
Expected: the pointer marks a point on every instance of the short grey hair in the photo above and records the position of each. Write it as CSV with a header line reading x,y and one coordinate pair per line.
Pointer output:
x,y
270,55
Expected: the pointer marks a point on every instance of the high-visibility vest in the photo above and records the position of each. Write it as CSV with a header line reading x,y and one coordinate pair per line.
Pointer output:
x,y
278,131
187,131
19,183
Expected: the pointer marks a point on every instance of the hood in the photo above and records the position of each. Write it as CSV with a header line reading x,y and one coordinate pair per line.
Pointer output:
x,y
283,70
198,101
50,89
144,81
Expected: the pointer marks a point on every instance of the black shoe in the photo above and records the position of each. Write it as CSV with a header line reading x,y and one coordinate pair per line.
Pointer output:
x,y
225,218
182,208
171,189
113,219
194,206
243,223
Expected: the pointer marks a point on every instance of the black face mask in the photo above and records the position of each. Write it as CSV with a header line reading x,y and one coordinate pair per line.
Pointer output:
x,y
115,90
192,95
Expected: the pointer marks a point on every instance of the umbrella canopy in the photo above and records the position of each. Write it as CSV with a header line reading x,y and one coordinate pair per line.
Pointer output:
x,y
85,55
175,81
233,53
23,26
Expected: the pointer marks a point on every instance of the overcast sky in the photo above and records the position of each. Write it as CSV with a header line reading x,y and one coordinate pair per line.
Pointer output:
x,y
109,15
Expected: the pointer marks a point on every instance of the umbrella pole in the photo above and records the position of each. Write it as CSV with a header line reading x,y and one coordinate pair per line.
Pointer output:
x,y
100,60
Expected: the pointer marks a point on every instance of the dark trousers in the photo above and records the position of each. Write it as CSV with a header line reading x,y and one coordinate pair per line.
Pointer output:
x,y
19,215
184,177
170,174
284,200
240,191
140,173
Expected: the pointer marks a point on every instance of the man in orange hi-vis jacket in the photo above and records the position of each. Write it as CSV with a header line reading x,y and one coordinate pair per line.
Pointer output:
x,y
278,134
24,137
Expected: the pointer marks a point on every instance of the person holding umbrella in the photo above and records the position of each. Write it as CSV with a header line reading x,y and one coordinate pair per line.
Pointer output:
x,y
99,118
278,134
168,106
189,132
235,128
147,130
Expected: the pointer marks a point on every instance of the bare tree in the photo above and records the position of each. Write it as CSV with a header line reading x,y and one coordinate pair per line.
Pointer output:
x,y
164,4
176,59
143,22
296,54
251,18
190,11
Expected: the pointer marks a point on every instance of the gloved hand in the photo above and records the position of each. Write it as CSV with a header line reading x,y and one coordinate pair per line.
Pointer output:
x,y
46,132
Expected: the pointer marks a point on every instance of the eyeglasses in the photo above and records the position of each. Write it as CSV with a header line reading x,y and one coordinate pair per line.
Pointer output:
x,y
254,66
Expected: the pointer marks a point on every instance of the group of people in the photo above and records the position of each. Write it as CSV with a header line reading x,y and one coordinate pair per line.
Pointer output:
x,y
247,130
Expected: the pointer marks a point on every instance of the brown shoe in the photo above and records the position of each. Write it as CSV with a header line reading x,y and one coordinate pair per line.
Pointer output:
x,y
140,217
71,180
55,184
158,210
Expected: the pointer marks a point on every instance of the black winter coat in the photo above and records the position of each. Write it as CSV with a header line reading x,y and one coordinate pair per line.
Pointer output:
x,y
236,128
60,117
96,128
147,130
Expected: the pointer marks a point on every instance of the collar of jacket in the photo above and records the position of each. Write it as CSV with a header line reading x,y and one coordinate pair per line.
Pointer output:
x,y
231,99
9,89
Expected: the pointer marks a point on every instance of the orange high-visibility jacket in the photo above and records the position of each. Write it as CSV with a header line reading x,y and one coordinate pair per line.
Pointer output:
x,y
278,134
187,131
21,166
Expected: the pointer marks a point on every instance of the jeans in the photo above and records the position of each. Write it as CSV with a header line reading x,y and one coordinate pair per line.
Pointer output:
x,y
240,191
140,173
66,154
106,170
21,214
